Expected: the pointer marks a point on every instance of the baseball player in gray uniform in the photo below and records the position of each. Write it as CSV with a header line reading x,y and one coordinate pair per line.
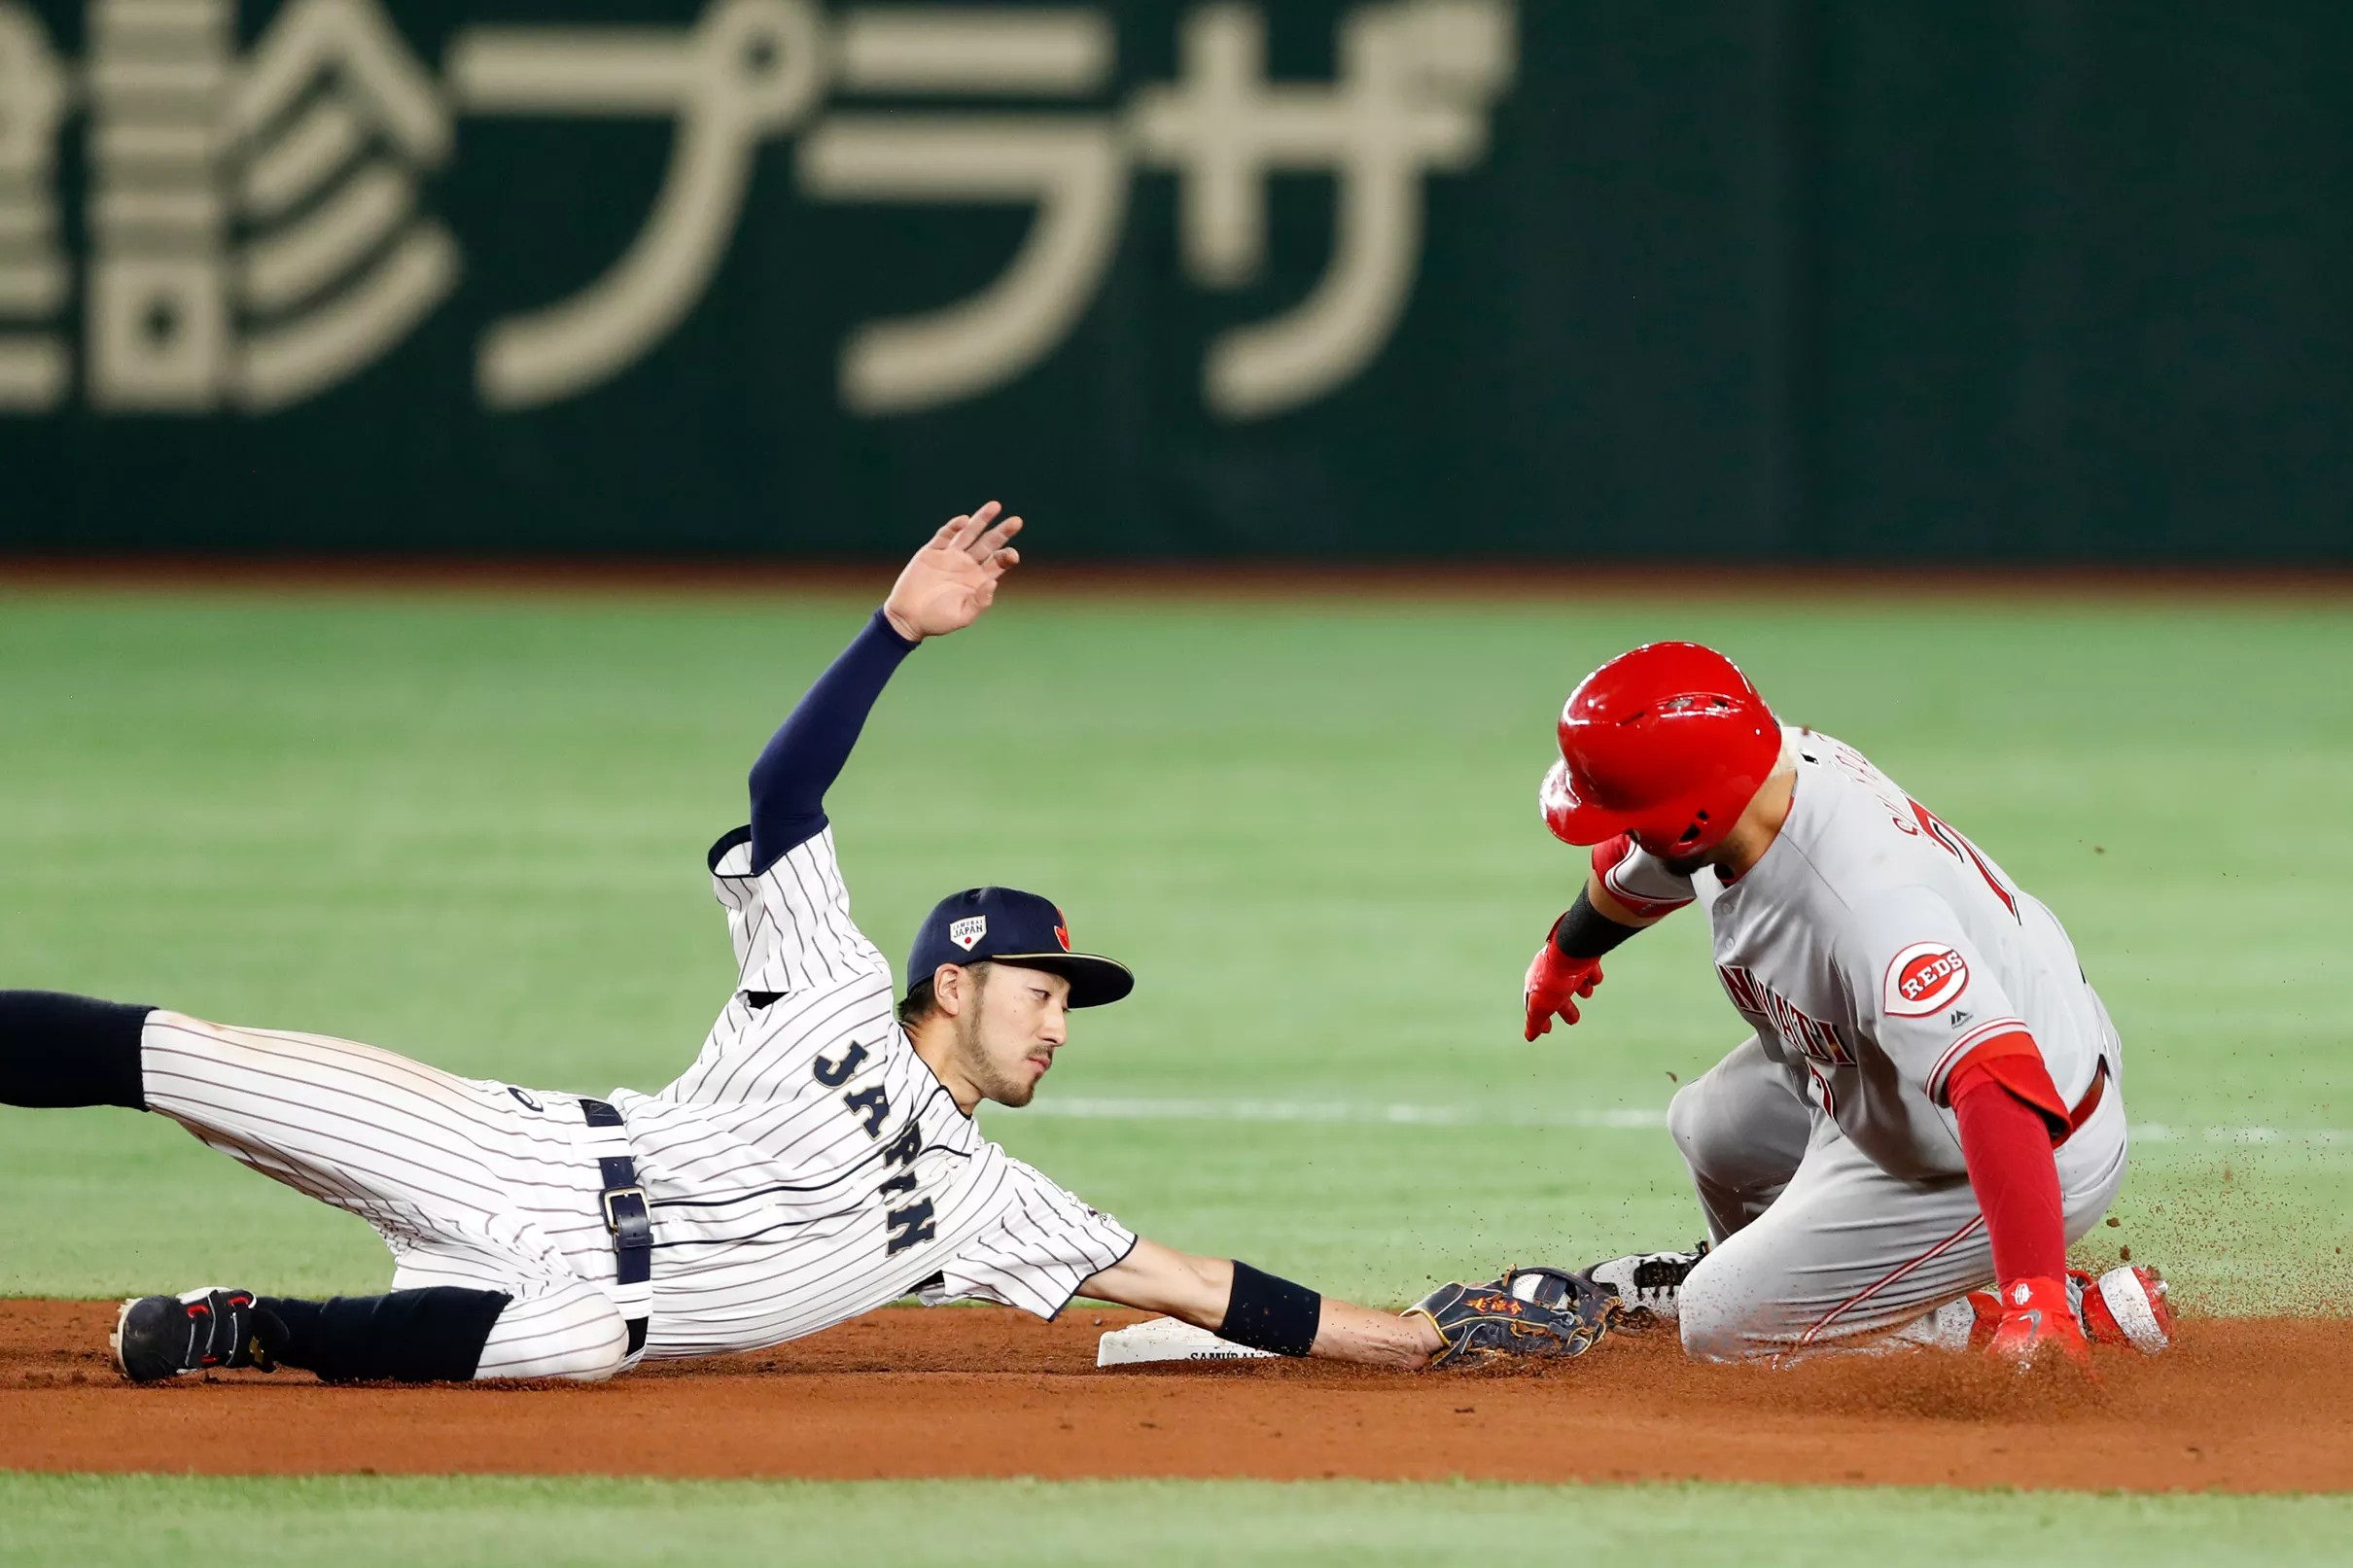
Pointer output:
x,y
818,1159
1928,1106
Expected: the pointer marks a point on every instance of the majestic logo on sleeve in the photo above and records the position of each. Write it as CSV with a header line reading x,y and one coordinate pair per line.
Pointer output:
x,y
966,932
1924,978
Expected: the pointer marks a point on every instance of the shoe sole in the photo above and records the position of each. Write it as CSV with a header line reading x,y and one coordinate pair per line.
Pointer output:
x,y
114,1341
1636,1313
2140,1312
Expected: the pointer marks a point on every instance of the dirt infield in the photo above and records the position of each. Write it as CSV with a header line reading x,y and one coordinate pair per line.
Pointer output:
x,y
2242,1405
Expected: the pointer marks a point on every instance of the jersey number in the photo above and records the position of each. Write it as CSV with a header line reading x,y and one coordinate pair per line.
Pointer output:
x,y
1960,849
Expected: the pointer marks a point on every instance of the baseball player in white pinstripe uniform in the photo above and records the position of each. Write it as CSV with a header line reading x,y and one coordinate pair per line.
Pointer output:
x,y
818,1159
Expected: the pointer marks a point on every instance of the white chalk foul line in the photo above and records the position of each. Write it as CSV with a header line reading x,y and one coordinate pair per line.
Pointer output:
x,y
1638,1119
2166,1133
1296,1110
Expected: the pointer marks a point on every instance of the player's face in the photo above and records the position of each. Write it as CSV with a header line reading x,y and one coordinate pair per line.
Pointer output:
x,y
1007,1039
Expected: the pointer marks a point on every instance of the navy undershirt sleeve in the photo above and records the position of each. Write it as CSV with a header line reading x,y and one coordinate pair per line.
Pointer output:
x,y
804,758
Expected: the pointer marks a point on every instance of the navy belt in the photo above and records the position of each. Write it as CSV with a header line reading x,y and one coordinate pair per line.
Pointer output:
x,y
626,1217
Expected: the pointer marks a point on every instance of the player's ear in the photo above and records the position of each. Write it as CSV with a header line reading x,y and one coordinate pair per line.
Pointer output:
x,y
948,989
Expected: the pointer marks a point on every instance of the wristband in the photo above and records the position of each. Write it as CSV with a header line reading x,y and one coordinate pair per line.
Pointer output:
x,y
1585,932
1267,1313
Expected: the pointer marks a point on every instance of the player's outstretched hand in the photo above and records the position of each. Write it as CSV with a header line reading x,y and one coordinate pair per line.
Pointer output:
x,y
952,578
1555,981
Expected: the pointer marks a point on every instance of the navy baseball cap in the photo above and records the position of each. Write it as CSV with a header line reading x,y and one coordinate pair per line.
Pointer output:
x,y
1006,926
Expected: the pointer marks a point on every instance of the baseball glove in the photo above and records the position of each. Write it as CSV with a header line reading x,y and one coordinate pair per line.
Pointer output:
x,y
1527,1313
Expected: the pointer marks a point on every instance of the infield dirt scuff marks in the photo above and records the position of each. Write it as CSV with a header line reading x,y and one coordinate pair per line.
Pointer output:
x,y
2242,1405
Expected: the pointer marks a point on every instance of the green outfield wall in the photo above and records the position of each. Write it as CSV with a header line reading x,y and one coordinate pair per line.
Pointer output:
x,y
1747,279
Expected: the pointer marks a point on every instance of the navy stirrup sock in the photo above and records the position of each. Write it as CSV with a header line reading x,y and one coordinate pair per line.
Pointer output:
x,y
426,1335
62,1049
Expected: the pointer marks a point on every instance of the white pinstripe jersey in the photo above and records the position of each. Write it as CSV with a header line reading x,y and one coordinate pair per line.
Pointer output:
x,y
1873,948
809,1166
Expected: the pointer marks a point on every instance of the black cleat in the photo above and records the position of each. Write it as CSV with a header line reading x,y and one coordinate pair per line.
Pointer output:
x,y
160,1337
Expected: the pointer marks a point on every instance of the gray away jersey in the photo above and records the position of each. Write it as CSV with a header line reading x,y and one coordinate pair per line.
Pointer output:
x,y
1873,948
809,1166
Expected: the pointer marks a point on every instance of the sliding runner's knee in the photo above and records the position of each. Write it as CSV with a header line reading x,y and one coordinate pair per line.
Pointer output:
x,y
1707,1136
568,1331
1720,1319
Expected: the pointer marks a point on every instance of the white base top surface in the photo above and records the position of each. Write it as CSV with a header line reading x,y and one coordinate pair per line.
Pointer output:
x,y
1165,1339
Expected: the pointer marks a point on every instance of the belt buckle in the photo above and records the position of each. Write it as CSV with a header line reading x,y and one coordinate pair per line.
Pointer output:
x,y
611,1195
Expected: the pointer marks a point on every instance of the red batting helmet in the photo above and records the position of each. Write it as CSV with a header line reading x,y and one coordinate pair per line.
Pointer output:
x,y
1668,742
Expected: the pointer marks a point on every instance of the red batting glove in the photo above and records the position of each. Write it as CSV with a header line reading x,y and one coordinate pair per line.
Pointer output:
x,y
1555,981
2035,1315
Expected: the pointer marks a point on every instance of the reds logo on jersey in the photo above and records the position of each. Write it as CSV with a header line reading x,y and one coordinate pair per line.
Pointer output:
x,y
1924,978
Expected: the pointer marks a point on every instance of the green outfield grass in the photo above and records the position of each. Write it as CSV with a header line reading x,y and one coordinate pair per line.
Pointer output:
x,y
472,829
356,1521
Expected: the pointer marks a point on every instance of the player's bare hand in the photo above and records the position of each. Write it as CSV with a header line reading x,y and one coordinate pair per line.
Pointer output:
x,y
954,578
1555,981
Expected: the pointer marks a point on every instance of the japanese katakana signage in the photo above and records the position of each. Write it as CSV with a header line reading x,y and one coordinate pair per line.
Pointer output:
x,y
1293,279
257,224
